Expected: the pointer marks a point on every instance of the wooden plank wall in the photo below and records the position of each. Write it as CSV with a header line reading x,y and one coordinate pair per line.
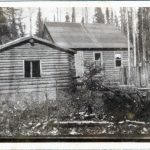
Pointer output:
x,y
79,63
55,68
108,59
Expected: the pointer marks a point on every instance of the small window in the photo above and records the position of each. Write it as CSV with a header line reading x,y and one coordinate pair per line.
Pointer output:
x,y
97,56
98,59
32,68
118,61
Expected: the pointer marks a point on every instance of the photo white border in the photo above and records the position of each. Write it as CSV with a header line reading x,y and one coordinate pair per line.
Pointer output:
x,y
76,146
76,4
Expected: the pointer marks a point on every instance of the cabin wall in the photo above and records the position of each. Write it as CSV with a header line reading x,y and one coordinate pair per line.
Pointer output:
x,y
108,61
55,71
79,63
112,72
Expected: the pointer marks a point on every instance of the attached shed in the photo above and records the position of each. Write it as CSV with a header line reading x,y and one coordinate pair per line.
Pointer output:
x,y
34,66
100,43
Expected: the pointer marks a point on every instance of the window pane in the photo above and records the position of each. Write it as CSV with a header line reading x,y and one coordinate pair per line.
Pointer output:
x,y
35,68
97,56
118,62
27,68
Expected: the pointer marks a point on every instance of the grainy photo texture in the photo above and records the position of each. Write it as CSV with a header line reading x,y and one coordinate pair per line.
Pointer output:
x,y
74,72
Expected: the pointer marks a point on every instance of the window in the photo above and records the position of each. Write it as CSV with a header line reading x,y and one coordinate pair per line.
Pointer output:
x,y
98,59
32,68
118,60
97,56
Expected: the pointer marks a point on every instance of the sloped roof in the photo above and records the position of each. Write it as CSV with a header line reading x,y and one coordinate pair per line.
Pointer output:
x,y
76,35
36,39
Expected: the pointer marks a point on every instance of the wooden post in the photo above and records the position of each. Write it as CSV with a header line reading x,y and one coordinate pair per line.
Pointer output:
x,y
128,40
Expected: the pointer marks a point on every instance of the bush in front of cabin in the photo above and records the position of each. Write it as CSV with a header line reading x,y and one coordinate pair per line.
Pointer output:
x,y
144,115
86,93
122,103
96,95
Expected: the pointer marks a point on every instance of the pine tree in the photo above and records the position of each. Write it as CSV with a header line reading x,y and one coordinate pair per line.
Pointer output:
x,y
86,15
116,21
12,12
123,20
82,20
99,16
111,17
140,33
146,31
20,24
67,17
73,15
4,29
107,16
12,27
39,24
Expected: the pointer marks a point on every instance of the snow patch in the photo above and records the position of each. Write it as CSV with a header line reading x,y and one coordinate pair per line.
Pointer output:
x,y
84,122
73,132
104,131
131,125
137,122
54,131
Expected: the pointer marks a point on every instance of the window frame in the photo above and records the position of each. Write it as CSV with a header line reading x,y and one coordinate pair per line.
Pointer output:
x,y
31,66
101,55
115,60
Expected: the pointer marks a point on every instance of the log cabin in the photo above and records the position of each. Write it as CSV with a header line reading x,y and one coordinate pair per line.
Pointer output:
x,y
33,67
100,43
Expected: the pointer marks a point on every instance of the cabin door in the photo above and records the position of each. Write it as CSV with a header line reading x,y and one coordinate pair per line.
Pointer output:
x,y
79,63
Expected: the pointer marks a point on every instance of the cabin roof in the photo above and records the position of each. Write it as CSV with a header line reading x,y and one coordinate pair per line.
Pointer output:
x,y
35,39
77,35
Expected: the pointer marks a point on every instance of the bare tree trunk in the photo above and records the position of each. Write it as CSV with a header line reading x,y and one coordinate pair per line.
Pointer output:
x,y
134,37
144,53
73,14
128,38
86,15
30,21
57,15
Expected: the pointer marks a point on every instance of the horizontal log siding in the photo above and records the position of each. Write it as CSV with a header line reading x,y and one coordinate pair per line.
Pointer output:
x,y
108,59
55,68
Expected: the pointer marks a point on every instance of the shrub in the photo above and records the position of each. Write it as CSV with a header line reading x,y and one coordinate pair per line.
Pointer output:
x,y
145,113
122,103
97,95
86,95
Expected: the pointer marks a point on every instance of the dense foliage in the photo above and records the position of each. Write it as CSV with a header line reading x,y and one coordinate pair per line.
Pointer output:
x,y
95,94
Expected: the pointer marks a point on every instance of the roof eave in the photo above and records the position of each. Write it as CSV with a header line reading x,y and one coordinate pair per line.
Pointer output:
x,y
24,39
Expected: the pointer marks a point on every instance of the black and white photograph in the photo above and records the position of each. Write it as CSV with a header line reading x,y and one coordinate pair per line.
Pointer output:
x,y
75,72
